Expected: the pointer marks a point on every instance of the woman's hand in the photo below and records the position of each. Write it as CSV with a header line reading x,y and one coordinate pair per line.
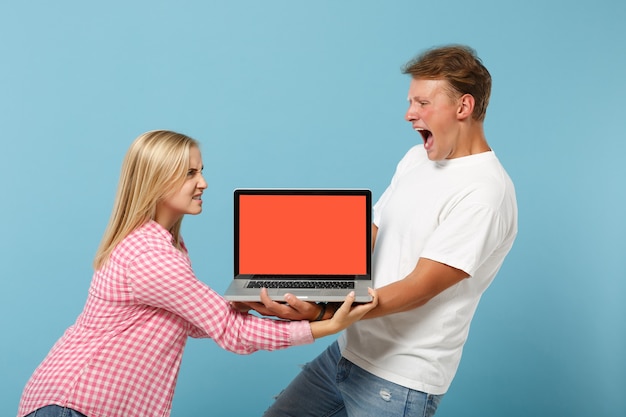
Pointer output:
x,y
345,315
292,309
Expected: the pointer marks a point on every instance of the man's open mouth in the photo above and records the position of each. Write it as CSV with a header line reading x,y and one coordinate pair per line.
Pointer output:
x,y
426,134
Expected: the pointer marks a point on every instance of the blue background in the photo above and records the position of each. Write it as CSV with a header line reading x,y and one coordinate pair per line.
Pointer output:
x,y
286,93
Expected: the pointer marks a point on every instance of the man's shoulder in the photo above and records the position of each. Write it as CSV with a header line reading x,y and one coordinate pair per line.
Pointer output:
x,y
414,156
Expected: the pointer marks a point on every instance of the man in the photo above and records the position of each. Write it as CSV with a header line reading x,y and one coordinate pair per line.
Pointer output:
x,y
441,232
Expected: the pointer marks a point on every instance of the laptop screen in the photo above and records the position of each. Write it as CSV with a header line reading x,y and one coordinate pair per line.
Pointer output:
x,y
302,232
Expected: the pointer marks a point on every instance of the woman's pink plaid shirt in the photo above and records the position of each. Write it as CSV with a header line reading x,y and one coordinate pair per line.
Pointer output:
x,y
121,357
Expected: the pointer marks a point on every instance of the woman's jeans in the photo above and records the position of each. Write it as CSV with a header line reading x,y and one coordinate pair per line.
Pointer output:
x,y
332,386
55,411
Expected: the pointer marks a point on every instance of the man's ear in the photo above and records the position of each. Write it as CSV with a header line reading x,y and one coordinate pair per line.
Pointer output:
x,y
466,106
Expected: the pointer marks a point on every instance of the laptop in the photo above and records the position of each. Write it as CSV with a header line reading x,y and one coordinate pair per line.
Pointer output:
x,y
313,243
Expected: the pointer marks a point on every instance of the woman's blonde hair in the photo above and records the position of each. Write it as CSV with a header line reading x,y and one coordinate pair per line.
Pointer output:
x,y
155,165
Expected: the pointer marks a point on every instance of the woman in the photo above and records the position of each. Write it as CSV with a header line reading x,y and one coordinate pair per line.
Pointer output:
x,y
121,357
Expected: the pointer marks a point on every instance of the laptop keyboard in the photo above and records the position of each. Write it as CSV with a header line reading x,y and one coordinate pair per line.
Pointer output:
x,y
339,285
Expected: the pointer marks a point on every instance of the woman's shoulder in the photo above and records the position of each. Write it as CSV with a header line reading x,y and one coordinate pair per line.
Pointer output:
x,y
149,237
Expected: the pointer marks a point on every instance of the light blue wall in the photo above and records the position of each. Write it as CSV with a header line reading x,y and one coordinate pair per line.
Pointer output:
x,y
286,93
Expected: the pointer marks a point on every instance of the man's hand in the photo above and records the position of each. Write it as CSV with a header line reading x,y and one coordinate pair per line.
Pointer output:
x,y
345,315
292,309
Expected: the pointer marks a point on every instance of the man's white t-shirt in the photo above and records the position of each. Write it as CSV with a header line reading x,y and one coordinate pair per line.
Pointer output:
x,y
461,212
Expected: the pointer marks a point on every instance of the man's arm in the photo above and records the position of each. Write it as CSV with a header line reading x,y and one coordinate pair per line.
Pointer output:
x,y
374,234
427,279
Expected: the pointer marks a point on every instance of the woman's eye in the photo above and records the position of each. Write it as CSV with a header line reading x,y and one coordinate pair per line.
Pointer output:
x,y
193,172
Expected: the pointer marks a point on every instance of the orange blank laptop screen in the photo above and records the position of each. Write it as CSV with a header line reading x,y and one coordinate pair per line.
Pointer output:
x,y
302,234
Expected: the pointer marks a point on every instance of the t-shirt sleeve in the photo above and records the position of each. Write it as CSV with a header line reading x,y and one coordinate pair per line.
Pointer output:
x,y
466,237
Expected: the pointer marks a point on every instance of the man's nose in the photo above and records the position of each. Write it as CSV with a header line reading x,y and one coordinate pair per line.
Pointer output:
x,y
410,115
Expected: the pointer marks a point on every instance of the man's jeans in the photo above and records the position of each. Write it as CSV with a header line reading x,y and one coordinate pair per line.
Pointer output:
x,y
332,386
55,411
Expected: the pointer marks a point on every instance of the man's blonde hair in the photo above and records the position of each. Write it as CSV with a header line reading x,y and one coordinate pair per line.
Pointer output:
x,y
155,166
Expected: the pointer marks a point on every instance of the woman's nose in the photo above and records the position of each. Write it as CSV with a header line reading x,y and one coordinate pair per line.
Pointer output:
x,y
202,184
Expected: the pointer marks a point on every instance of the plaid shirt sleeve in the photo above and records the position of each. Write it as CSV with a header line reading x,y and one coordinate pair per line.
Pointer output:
x,y
163,278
